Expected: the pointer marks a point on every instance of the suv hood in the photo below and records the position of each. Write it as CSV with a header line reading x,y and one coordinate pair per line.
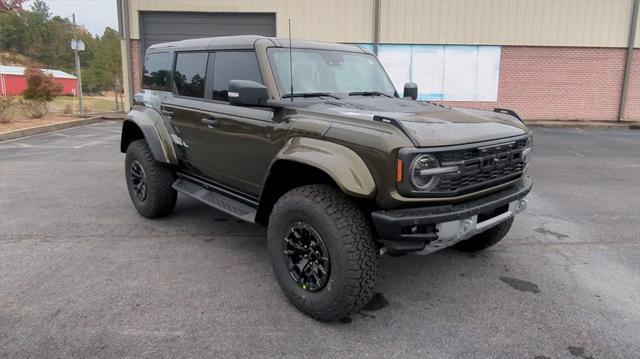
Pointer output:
x,y
429,124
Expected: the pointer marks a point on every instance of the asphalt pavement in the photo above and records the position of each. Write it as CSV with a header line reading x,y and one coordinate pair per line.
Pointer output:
x,y
83,275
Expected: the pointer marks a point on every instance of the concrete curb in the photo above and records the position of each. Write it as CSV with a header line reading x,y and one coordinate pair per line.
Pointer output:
x,y
36,130
631,125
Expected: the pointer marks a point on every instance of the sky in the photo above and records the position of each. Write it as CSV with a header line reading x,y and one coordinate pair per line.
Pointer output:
x,y
94,15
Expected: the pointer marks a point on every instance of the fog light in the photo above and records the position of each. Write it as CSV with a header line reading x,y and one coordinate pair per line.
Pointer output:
x,y
523,204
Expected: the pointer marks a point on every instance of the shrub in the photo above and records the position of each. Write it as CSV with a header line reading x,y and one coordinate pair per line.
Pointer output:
x,y
32,109
7,110
40,87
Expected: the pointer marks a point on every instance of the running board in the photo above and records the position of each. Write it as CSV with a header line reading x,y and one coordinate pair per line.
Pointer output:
x,y
215,197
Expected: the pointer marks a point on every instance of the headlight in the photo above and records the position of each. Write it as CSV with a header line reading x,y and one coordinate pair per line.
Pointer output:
x,y
424,173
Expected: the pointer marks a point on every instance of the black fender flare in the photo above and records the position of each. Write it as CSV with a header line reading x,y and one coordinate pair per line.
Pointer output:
x,y
154,130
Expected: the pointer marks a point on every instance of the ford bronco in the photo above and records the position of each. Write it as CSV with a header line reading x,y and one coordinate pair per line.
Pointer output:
x,y
312,140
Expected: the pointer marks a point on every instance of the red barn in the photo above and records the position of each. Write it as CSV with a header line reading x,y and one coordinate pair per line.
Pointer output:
x,y
13,82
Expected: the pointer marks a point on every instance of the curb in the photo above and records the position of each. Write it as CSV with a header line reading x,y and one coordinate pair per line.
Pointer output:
x,y
585,124
30,131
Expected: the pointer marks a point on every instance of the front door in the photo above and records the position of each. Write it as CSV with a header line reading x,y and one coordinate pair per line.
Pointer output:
x,y
240,139
242,143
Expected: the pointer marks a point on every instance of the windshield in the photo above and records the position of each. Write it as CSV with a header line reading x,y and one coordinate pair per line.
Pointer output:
x,y
323,71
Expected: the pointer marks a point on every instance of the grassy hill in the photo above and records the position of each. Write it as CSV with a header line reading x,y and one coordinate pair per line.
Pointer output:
x,y
10,58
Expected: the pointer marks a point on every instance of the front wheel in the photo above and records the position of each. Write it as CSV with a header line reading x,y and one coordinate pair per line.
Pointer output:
x,y
149,181
322,252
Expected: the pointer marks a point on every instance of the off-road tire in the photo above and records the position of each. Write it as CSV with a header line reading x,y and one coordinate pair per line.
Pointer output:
x,y
346,231
160,196
485,239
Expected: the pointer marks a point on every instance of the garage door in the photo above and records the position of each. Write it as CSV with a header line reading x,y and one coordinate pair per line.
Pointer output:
x,y
157,27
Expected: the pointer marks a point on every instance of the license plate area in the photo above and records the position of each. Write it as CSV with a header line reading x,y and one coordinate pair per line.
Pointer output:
x,y
492,213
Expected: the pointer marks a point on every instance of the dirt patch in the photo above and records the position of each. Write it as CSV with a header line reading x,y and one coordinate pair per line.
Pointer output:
x,y
20,123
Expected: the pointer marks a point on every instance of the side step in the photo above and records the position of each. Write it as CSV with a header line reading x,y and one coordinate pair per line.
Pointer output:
x,y
215,197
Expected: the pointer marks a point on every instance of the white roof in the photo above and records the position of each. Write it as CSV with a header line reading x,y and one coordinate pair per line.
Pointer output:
x,y
18,70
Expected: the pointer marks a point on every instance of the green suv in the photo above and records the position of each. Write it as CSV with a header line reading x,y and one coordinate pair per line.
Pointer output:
x,y
312,140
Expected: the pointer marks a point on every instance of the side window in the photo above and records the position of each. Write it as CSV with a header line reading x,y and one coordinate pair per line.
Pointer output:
x,y
156,71
190,73
233,66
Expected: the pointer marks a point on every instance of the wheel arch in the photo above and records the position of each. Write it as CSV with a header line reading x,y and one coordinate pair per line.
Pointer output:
x,y
147,124
305,161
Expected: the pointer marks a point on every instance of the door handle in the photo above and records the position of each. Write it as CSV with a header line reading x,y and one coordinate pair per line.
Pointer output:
x,y
168,113
210,122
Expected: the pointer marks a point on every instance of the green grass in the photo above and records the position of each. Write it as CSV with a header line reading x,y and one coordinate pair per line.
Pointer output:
x,y
91,104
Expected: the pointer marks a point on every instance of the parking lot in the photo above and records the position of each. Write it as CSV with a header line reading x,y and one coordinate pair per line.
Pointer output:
x,y
83,275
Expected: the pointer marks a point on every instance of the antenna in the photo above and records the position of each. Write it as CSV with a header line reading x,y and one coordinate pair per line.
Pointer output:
x,y
290,61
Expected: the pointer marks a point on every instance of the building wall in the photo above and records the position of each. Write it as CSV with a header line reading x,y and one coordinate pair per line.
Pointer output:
x,y
593,23
322,20
576,23
15,85
560,59
546,83
564,83
136,66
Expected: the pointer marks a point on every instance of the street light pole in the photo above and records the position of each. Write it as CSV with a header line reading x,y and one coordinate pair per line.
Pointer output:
x,y
78,73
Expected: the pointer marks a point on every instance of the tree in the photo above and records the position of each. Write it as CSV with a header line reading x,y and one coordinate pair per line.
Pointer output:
x,y
40,86
11,5
40,9
45,40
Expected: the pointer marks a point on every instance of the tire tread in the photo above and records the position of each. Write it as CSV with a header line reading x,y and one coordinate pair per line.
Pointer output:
x,y
356,244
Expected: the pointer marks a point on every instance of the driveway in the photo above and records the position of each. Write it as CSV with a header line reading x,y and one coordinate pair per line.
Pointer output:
x,y
83,275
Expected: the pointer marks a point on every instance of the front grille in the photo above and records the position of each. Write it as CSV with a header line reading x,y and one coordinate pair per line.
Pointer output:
x,y
481,167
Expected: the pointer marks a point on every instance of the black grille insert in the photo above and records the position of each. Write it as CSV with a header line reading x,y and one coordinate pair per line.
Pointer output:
x,y
481,167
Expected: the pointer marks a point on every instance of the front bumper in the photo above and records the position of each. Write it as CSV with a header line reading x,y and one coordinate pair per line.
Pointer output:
x,y
428,229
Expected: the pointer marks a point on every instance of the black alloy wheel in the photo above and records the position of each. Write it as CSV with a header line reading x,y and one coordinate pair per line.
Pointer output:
x,y
139,180
307,257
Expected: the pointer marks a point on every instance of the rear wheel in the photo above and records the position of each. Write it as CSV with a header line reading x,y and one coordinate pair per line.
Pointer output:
x,y
149,182
485,239
322,252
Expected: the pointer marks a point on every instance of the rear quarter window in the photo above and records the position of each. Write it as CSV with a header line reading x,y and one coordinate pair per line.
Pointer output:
x,y
156,71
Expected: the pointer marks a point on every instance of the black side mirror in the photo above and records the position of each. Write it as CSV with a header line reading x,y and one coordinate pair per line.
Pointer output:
x,y
410,90
247,93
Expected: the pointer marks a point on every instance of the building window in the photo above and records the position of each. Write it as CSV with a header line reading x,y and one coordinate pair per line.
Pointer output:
x,y
156,71
444,72
190,74
233,66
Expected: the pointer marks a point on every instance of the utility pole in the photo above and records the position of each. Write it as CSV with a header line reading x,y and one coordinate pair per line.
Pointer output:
x,y
629,60
78,74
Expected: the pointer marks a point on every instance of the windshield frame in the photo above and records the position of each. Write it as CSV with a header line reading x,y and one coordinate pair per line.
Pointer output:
x,y
282,92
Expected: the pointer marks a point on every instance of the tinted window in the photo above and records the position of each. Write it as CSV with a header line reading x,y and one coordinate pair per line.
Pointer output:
x,y
190,73
156,71
233,66
328,71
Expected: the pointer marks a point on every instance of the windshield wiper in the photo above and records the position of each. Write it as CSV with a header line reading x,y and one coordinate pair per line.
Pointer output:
x,y
368,93
310,94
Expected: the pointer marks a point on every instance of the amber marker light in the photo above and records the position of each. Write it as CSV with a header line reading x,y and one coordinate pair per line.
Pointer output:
x,y
399,165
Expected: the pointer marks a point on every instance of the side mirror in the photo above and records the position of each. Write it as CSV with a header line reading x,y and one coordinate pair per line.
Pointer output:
x,y
410,90
138,99
247,93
